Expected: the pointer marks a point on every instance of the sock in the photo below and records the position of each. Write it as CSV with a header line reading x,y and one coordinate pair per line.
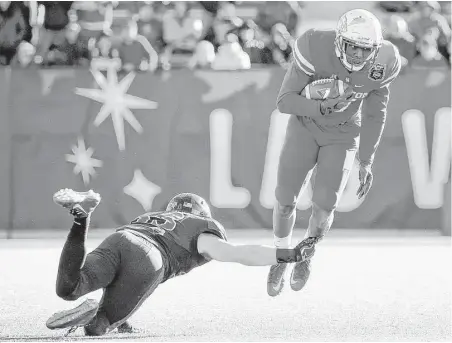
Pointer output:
x,y
72,257
282,228
282,242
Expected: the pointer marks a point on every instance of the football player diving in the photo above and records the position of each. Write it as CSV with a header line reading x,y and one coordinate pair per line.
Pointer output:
x,y
327,129
131,262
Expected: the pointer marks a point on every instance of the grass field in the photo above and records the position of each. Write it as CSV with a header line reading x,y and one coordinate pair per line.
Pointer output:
x,y
363,287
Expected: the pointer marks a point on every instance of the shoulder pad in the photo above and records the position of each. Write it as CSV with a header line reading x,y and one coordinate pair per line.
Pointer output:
x,y
310,46
217,227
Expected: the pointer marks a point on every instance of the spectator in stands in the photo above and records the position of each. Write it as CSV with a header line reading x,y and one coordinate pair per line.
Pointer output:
x,y
272,12
255,43
427,18
53,18
396,31
181,34
225,22
134,50
231,56
103,47
24,55
104,56
150,26
12,30
204,55
281,45
93,21
70,51
24,7
429,54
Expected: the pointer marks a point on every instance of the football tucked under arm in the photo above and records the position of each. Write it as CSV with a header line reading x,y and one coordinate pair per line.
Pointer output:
x,y
323,89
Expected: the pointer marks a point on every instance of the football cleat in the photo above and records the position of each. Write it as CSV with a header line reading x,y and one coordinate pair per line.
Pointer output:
x,y
301,271
300,275
74,318
80,204
276,279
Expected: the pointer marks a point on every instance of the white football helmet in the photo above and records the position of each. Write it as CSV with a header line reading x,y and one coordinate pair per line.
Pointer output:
x,y
358,28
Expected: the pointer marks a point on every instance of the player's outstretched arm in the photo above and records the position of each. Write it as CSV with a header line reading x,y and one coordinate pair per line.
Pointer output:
x,y
218,249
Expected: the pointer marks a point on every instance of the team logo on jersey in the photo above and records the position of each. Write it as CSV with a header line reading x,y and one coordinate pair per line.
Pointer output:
x,y
377,72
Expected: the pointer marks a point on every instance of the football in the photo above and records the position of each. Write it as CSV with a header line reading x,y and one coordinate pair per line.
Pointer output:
x,y
326,89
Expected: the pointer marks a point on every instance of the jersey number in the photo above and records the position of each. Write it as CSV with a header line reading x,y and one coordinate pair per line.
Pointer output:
x,y
160,222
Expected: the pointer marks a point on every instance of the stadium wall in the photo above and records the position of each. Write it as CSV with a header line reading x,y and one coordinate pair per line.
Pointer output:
x,y
140,139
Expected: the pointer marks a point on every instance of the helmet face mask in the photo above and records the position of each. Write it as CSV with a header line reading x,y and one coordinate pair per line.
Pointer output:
x,y
358,39
189,203
355,55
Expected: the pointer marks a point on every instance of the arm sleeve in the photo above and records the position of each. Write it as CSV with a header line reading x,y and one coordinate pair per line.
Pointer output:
x,y
297,77
374,115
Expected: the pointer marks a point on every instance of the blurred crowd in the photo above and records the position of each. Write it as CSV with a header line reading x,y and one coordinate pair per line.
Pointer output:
x,y
420,30
146,36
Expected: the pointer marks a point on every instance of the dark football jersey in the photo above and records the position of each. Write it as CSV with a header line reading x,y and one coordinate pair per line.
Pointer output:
x,y
177,235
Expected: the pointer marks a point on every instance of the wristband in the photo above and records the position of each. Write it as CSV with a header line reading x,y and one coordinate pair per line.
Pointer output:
x,y
286,255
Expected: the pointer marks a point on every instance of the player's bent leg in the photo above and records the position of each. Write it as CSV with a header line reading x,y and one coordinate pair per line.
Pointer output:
x,y
78,276
319,224
298,157
141,271
333,170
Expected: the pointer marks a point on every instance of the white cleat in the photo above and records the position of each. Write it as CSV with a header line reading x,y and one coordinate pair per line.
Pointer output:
x,y
74,318
276,279
82,203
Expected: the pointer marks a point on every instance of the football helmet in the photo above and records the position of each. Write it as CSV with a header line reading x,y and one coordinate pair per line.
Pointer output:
x,y
189,203
358,29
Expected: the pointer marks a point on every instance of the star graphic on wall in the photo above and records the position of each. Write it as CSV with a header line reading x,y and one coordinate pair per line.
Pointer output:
x,y
116,102
83,161
142,190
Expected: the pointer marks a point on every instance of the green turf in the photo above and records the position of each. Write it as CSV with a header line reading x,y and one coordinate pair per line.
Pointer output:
x,y
366,289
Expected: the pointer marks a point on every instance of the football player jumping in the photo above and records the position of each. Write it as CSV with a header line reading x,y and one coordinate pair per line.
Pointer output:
x,y
130,263
326,132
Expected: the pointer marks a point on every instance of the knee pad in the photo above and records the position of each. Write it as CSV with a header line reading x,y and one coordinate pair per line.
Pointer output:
x,y
286,211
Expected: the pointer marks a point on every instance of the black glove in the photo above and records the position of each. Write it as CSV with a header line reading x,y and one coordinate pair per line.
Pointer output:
x,y
302,252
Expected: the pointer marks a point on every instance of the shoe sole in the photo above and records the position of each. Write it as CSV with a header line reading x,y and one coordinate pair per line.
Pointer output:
x,y
78,316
